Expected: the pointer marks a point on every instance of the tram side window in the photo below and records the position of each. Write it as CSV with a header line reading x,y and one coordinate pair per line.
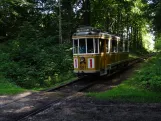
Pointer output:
x,y
82,46
101,45
90,47
75,48
114,46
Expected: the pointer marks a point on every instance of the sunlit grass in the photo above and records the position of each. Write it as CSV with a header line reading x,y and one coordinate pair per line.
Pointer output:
x,y
7,88
126,92
134,89
132,55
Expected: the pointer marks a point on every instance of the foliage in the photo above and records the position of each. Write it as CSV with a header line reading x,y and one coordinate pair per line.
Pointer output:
x,y
12,14
32,60
124,18
31,55
154,14
158,43
149,76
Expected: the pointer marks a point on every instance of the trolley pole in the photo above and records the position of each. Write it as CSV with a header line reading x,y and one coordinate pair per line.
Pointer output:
x,y
60,24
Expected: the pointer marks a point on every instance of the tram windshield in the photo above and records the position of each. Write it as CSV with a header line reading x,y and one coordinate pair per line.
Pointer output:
x,y
75,46
90,46
82,46
85,46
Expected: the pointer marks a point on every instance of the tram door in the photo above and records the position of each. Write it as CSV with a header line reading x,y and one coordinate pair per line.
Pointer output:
x,y
103,56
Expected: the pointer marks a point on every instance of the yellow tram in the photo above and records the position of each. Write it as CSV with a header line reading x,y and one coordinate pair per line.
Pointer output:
x,y
96,52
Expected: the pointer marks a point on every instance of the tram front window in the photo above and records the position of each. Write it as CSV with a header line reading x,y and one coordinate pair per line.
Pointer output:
x,y
90,47
75,46
82,46
86,46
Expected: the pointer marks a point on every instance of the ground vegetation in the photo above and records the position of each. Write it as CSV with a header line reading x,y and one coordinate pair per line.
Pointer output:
x,y
143,86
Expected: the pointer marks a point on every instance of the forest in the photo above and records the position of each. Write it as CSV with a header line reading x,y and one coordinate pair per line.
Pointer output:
x,y
35,35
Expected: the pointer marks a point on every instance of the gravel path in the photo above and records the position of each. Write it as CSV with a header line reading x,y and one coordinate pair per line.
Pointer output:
x,y
6,99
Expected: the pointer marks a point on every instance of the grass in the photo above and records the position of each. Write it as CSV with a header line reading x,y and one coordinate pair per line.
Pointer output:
x,y
7,88
133,90
132,55
126,92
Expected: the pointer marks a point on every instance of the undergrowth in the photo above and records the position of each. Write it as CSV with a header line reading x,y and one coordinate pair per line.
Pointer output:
x,y
34,61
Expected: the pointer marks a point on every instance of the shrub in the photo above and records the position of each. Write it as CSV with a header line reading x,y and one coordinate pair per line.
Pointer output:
x,y
32,60
149,76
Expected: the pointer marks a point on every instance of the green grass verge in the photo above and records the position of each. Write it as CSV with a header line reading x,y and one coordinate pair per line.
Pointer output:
x,y
142,87
132,55
7,88
126,92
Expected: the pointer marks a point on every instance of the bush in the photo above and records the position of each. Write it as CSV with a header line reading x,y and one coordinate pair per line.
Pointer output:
x,y
149,76
31,60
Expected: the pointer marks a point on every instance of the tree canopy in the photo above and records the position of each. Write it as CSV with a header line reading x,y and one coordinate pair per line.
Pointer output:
x,y
123,17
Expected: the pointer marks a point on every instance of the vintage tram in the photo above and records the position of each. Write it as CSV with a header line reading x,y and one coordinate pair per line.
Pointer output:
x,y
97,52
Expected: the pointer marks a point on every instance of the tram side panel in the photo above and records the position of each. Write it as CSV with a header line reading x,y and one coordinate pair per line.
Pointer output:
x,y
114,59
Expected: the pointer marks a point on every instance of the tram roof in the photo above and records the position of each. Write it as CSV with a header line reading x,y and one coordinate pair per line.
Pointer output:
x,y
90,32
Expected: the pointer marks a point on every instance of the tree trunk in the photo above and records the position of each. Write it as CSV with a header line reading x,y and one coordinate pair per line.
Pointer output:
x,y
60,24
87,11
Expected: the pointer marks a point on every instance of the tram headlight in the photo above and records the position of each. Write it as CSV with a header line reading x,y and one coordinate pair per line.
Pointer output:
x,y
82,59
102,53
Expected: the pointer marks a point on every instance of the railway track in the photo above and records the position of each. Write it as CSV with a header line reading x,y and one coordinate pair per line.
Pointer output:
x,y
64,91
67,90
79,85
2,105
45,99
